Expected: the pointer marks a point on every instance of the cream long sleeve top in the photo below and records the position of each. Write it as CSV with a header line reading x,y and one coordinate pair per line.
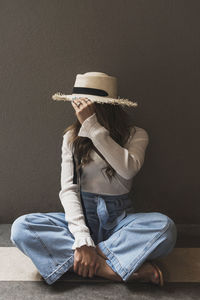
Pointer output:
x,y
127,161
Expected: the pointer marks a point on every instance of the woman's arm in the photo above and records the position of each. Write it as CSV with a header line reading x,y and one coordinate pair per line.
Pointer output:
x,y
126,161
70,199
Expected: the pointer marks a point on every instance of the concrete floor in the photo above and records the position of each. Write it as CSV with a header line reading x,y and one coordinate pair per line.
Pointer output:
x,y
71,285
97,291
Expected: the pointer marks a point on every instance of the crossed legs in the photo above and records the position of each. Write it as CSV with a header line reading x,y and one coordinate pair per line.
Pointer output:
x,y
146,271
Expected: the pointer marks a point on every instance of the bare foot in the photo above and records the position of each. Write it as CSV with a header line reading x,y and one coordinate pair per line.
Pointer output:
x,y
106,271
147,272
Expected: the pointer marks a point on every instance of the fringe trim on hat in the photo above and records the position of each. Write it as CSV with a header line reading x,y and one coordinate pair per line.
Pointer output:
x,y
120,101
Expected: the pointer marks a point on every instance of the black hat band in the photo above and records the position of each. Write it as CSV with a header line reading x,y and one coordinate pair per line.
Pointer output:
x,y
89,91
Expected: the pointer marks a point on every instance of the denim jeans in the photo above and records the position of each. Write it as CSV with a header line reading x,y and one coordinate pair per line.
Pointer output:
x,y
126,237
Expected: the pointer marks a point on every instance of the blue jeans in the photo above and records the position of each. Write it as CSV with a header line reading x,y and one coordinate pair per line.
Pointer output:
x,y
127,238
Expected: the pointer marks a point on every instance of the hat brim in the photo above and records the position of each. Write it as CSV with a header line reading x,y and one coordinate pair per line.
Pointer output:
x,y
116,101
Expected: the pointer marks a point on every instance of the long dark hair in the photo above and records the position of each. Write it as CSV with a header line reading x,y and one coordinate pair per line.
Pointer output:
x,y
115,119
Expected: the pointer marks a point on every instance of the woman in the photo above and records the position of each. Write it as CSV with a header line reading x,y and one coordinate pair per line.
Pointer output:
x,y
99,233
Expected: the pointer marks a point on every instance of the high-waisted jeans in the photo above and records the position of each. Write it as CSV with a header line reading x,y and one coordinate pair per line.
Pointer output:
x,y
126,237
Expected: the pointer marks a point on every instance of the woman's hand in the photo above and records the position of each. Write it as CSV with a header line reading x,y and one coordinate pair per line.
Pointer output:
x,y
86,261
84,108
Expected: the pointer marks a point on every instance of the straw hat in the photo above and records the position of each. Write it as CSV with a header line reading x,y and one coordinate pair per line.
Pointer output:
x,y
96,86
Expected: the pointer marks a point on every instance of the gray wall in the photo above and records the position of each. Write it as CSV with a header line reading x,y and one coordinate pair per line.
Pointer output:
x,y
151,46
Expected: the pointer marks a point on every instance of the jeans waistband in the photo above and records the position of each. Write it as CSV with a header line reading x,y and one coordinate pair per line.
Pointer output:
x,y
111,209
105,196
